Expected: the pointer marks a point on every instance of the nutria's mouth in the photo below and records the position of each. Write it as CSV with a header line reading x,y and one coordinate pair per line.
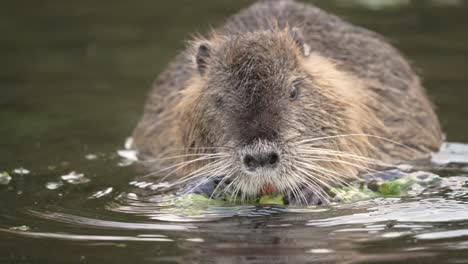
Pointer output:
x,y
289,198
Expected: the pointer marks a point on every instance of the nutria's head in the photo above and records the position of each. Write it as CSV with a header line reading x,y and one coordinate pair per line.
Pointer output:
x,y
271,113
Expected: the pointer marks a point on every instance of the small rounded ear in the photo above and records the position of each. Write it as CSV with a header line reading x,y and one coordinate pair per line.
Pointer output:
x,y
202,57
297,36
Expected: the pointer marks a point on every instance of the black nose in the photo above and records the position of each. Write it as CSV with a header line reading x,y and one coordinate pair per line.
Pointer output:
x,y
269,159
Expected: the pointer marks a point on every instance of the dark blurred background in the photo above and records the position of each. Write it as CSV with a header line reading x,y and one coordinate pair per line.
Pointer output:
x,y
74,74
73,80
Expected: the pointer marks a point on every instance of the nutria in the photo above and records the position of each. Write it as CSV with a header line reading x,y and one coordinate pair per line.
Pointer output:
x,y
287,97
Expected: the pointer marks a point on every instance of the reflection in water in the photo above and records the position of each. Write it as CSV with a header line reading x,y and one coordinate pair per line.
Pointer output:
x,y
421,211
96,223
88,237
443,234
221,233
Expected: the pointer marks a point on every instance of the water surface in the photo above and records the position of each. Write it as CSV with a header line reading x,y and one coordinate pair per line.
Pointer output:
x,y
73,77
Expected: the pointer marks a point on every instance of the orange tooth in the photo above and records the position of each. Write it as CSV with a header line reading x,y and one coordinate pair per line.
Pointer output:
x,y
267,189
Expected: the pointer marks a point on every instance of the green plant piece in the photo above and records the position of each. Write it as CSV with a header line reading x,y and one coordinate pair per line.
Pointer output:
x,y
277,199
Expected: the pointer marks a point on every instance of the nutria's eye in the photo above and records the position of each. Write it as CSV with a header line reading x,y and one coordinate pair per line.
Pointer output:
x,y
294,92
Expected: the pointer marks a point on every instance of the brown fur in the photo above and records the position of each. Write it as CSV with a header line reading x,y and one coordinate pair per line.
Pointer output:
x,y
234,96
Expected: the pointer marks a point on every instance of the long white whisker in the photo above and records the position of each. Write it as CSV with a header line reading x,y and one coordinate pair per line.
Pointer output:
x,y
178,167
179,164
296,190
353,135
181,156
318,179
367,169
329,152
212,175
314,186
335,176
208,169
226,177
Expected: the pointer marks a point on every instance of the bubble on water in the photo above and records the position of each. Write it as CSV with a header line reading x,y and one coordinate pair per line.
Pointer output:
x,y
75,178
101,193
5,178
159,185
141,184
404,167
150,185
91,156
130,155
21,171
125,163
128,143
54,185
20,228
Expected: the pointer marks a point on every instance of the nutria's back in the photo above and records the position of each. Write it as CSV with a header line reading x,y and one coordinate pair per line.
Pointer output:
x,y
356,92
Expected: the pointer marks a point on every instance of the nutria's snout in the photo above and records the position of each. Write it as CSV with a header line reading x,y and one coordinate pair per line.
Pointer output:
x,y
260,156
260,160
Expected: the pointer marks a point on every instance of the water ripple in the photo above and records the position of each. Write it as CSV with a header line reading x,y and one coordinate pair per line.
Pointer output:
x,y
96,223
429,210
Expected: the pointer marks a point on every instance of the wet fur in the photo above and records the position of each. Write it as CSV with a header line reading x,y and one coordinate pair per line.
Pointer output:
x,y
352,83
